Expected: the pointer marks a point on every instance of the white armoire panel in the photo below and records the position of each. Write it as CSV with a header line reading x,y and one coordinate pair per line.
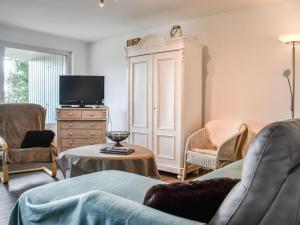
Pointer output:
x,y
166,99
140,100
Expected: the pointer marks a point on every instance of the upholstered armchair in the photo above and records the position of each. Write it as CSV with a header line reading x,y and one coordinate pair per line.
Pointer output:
x,y
215,145
15,121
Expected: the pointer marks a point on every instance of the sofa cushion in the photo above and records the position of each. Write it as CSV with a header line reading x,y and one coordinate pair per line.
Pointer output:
x,y
198,200
233,171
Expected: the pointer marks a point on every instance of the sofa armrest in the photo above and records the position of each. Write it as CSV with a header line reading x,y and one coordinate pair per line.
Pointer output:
x,y
96,207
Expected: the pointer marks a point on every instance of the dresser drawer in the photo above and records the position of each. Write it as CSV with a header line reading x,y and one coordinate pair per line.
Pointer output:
x,y
73,143
81,133
93,114
91,125
69,114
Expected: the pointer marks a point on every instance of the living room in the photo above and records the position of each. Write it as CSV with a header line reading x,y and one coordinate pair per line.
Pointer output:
x,y
234,74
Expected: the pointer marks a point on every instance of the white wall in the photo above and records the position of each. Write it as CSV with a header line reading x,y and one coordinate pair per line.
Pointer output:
x,y
27,37
243,61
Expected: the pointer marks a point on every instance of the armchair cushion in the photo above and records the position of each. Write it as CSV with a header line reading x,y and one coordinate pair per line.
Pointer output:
x,y
197,200
205,151
17,119
38,139
30,155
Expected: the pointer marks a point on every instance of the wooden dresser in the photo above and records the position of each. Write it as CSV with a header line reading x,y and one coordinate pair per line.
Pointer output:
x,y
80,126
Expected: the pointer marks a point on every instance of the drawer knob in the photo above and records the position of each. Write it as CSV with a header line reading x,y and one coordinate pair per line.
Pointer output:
x,y
92,142
70,114
92,134
71,142
92,114
92,125
71,125
71,134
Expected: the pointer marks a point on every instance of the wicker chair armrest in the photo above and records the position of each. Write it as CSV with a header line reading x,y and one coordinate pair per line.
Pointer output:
x,y
226,151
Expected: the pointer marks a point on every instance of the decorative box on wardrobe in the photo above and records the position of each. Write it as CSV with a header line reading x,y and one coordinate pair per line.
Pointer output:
x,y
165,96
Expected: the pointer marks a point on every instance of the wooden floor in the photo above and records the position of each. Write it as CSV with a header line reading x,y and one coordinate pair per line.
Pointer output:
x,y
23,182
18,184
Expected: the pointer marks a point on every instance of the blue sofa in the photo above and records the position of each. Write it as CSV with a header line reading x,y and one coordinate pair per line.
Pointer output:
x,y
268,193
108,197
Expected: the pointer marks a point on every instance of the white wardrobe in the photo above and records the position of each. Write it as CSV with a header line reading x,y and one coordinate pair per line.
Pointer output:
x,y
165,96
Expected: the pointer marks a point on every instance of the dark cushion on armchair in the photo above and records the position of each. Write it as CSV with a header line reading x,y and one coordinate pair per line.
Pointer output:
x,y
35,139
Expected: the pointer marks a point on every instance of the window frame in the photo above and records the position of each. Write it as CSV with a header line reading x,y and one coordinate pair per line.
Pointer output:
x,y
7,44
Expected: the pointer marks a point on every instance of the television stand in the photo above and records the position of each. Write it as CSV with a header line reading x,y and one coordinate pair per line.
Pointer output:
x,y
78,127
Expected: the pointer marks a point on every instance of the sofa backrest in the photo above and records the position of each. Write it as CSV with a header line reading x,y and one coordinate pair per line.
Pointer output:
x,y
269,189
17,119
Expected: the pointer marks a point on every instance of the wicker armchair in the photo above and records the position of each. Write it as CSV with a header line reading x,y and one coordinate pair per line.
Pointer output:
x,y
15,121
215,145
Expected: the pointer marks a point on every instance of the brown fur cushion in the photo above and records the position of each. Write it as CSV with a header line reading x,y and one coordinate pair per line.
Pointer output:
x,y
198,200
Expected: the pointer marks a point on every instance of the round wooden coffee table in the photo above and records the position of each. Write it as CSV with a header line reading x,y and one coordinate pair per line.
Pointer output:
x,y
88,159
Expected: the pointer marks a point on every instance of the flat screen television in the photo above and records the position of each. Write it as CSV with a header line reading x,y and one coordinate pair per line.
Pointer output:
x,y
81,90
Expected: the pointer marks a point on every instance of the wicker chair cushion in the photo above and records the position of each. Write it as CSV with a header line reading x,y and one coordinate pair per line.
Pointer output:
x,y
205,151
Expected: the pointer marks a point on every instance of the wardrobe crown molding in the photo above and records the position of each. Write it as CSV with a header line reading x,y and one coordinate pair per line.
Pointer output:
x,y
156,43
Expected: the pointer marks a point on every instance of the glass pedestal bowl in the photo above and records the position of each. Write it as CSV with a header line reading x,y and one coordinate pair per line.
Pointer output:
x,y
117,136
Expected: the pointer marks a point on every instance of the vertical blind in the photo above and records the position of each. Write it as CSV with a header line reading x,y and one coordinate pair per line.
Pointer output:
x,y
44,72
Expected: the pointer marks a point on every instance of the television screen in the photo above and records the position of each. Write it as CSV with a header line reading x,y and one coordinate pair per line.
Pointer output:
x,y
81,90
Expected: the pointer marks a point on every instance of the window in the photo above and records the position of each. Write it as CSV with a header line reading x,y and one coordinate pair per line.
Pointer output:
x,y
32,77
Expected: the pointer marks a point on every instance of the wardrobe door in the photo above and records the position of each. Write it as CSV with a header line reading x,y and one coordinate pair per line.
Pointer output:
x,y
140,101
167,109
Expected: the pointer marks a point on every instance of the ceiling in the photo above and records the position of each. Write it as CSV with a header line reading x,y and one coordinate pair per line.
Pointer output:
x,y
82,19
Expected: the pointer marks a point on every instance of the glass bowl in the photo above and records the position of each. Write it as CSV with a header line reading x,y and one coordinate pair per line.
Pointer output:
x,y
117,136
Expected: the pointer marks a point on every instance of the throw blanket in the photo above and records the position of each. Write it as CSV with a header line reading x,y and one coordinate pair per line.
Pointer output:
x,y
92,208
108,198
17,119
